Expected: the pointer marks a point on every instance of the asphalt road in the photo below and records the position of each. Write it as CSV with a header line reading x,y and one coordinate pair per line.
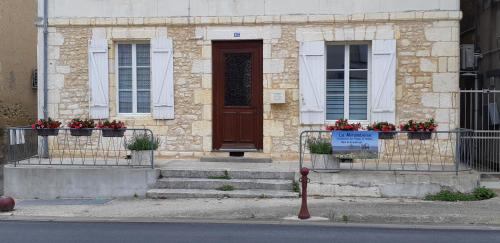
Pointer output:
x,y
55,232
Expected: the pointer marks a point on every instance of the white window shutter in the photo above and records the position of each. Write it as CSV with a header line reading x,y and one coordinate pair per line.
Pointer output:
x,y
162,78
99,78
312,78
383,86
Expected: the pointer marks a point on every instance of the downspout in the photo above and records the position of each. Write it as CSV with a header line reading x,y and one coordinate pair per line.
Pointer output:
x,y
45,58
45,142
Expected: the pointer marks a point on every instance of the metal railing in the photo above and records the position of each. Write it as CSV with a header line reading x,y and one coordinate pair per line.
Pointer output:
x,y
480,110
444,151
78,147
485,150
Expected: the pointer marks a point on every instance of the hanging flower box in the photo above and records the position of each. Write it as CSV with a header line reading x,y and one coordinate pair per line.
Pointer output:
x,y
385,130
112,129
419,130
46,128
81,128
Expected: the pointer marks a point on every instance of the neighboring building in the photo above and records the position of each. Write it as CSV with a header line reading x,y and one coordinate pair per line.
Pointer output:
x,y
17,64
237,75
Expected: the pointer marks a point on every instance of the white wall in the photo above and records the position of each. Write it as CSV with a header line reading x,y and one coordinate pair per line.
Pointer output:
x,y
167,8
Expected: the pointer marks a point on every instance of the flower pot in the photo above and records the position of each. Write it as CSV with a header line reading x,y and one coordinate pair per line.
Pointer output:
x,y
113,133
82,132
141,157
324,162
45,132
386,135
420,135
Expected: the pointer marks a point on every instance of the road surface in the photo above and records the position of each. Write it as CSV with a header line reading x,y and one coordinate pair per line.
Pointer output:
x,y
55,232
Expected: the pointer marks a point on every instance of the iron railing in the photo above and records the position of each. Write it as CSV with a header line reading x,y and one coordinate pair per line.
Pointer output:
x,y
480,110
445,151
99,147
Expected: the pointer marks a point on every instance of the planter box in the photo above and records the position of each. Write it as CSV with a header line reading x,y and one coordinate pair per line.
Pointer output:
x,y
45,132
386,135
82,132
141,157
420,135
113,133
324,162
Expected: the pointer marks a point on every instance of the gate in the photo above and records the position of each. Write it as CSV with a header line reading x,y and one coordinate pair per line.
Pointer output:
x,y
480,112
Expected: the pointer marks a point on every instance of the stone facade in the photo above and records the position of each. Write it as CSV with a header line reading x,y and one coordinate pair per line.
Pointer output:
x,y
427,69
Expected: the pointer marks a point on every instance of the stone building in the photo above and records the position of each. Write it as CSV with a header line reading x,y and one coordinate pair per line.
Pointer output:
x,y
211,76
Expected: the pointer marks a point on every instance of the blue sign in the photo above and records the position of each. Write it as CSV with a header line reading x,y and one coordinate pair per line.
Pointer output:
x,y
237,34
355,144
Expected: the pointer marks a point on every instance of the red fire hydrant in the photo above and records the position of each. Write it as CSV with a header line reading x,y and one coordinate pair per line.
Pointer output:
x,y
7,204
304,212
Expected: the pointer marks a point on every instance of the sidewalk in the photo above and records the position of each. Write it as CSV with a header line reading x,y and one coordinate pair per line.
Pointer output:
x,y
348,210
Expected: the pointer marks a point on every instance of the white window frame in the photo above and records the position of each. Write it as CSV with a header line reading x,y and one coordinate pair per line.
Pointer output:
x,y
134,79
347,70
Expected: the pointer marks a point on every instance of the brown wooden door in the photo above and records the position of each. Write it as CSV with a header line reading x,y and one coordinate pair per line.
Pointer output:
x,y
237,95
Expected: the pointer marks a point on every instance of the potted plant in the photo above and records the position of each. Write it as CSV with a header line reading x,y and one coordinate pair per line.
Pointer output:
x,y
112,128
321,153
385,130
81,128
142,147
419,130
47,127
343,125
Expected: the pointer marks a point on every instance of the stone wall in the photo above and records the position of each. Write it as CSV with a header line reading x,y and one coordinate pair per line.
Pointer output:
x,y
427,71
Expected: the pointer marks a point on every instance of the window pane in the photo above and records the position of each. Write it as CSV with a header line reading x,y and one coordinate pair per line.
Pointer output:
x,y
238,79
334,107
358,95
125,101
335,57
143,102
335,95
358,56
335,83
143,55
143,78
124,55
125,78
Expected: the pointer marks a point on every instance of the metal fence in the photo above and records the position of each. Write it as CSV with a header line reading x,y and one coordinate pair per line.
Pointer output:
x,y
480,111
80,147
444,151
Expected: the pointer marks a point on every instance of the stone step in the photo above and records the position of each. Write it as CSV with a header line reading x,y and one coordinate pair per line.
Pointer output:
x,y
237,184
199,193
233,174
236,160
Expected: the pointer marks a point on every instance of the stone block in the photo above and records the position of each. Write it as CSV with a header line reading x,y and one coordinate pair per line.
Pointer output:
x,y
206,81
445,49
422,53
384,32
428,65
202,66
453,64
438,34
445,100
443,64
274,65
445,82
55,39
273,128
321,18
201,128
430,100
203,97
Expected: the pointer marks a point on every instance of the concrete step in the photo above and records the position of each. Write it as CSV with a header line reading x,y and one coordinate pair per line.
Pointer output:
x,y
237,184
233,174
199,193
236,160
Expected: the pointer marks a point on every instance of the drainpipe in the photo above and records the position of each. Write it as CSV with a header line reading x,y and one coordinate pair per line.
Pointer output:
x,y
45,142
45,58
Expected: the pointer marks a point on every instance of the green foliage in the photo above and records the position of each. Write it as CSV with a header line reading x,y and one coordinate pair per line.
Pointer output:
x,y
480,193
295,187
226,188
223,177
143,142
319,145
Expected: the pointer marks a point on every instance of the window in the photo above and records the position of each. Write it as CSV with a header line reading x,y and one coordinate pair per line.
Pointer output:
x,y
134,78
347,82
